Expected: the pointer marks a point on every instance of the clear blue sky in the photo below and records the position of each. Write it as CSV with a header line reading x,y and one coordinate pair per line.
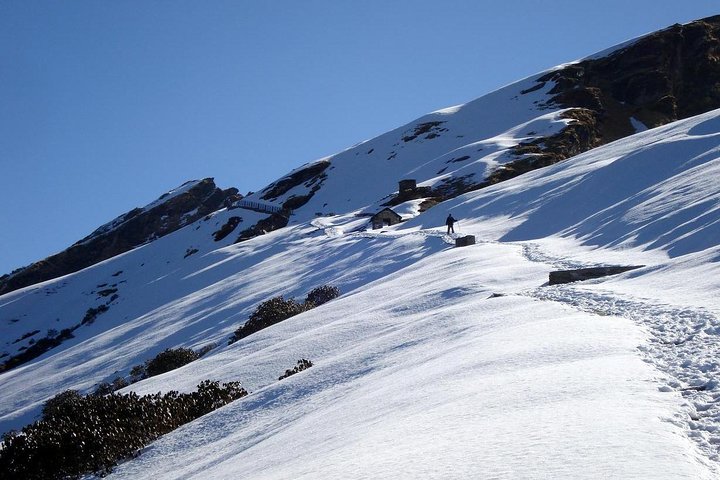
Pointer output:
x,y
105,105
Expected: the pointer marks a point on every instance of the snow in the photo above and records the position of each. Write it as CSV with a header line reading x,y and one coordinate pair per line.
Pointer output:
x,y
637,125
436,361
436,381
484,131
653,190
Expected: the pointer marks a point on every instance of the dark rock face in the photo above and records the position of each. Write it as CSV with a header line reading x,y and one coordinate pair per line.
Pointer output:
x,y
666,76
580,274
133,229
311,176
273,222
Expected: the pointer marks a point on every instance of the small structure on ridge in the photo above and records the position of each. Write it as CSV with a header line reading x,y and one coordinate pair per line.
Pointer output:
x,y
385,218
408,185
465,241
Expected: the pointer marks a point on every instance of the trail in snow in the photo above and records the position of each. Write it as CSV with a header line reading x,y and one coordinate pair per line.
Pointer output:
x,y
333,231
447,238
683,343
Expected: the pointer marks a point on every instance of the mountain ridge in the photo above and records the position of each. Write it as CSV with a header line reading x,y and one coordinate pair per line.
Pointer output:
x,y
173,210
666,75
436,360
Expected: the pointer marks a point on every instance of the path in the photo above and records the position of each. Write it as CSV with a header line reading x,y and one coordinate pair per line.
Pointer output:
x,y
683,342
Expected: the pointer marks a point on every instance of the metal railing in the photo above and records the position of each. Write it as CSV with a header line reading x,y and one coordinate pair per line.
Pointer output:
x,y
261,207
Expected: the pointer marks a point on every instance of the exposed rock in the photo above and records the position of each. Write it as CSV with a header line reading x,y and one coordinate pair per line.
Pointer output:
x,y
407,195
662,77
128,231
227,228
432,129
465,241
576,275
312,176
273,222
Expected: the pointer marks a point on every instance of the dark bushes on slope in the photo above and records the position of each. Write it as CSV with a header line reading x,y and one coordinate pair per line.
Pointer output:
x,y
302,364
268,313
109,387
278,309
165,361
38,348
52,339
170,359
92,313
318,296
78,435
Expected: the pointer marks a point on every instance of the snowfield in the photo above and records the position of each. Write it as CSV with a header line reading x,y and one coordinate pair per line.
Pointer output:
x,y
421,374
436,362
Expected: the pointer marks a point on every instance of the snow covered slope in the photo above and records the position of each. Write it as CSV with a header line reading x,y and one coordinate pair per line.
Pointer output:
x,y
541,120
437,361
467,141
655,190
173,210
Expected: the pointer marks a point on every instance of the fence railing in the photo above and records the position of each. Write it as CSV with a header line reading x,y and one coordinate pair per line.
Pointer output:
x,y
261,207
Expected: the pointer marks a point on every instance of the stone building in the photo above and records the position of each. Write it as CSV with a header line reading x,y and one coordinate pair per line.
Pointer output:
x,y
408,185
385,218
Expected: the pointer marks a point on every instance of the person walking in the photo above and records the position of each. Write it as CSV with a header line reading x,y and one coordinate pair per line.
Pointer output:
x,y
450,222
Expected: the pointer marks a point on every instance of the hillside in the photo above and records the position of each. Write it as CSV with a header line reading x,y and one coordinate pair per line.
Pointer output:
x,y
436,361
173,210
538,121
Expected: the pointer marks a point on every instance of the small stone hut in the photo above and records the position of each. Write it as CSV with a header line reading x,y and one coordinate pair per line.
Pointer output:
x,y
385,218
407,185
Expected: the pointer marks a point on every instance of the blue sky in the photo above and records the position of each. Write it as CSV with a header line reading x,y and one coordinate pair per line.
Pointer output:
x,y
105,105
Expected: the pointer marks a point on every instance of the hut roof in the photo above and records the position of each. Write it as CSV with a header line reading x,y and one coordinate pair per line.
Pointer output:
x,y
390,210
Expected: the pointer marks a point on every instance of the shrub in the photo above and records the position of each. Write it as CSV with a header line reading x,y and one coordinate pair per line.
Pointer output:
x,y
137,373
170,359
325,293
102,389
302,364
92,313
278,309
61,404
268,313
79,435
106,388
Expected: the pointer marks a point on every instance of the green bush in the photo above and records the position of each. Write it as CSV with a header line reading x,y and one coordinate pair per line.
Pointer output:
x,y
278,309
61,404
137,373
302,364
106,388
170,359
268,313
323,294
79,435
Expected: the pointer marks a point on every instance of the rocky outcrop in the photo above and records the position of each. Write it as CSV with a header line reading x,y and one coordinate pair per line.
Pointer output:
x,y
126,232
662,77
579,274
266,225
310,175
